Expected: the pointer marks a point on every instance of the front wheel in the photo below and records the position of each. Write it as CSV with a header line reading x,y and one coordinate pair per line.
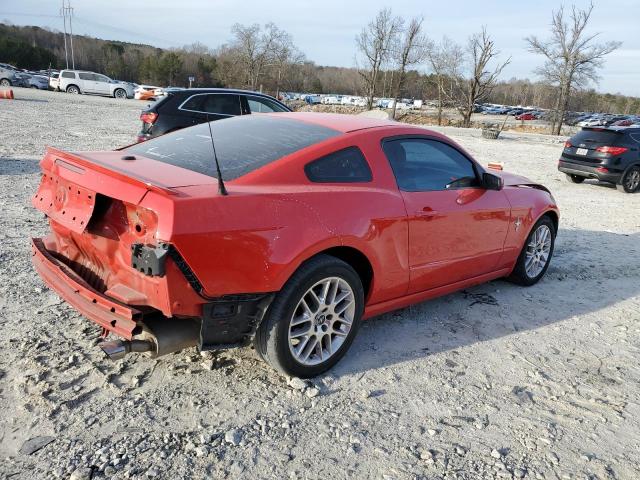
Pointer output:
x,y
575,178
120,93
536,254
630,183
313,319
5,83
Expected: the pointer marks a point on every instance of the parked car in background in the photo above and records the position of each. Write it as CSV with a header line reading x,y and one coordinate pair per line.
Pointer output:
x,y
54,81
39,81
327,220
526,116
184,108
77,82
606,154
7,76
145,92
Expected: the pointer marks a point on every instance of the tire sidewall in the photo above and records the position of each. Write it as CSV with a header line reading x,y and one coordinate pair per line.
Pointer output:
x,y
281,311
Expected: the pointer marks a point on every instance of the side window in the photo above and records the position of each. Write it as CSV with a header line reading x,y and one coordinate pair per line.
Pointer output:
x,y
221,104
428,165
101,78
263,105
68,75
86,76
343,166
194,103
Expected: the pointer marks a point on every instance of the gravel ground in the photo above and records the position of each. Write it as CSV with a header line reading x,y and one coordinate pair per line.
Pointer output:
x,y
498,381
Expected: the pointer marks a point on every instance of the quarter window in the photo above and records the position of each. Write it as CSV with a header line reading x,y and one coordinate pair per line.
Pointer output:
x,y
68,75
427,165
263,105
343,166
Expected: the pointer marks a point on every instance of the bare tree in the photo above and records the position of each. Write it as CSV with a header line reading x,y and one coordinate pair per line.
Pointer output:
x,y
572,58
375,43
446,59
258,49
408,51
480,79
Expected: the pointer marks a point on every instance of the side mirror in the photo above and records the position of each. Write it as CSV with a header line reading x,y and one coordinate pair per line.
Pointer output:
x,y
491,181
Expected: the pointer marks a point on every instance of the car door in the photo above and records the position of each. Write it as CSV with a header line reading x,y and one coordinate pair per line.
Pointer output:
x,y
102,84
457,228
87,82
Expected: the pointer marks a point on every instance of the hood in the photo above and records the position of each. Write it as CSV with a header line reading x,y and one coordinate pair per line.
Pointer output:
x,y
513,180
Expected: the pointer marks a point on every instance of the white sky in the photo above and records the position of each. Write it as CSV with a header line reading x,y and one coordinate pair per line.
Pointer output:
x,y
325,30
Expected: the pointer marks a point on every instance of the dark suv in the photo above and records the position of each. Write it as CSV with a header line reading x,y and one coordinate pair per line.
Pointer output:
x,y
184,108
608,154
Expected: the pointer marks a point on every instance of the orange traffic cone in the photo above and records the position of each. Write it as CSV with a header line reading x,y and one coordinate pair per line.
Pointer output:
x,y
8,94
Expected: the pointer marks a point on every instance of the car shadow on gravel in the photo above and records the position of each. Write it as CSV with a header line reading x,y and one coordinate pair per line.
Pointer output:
x,y
589,272
19,166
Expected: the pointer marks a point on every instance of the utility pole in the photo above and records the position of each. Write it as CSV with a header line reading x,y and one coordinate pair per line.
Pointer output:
x,y
67,11
64,19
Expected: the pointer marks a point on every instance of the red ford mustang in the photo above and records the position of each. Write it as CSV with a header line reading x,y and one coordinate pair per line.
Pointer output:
x,y
328,219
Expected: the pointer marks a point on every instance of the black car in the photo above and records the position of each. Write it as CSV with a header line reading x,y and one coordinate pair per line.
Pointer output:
x,y
184,108
609,154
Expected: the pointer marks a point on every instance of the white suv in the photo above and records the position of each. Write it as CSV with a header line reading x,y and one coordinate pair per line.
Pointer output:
x,y
76,81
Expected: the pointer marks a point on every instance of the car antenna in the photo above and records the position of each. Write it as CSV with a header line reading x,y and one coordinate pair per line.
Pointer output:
x,y
221,188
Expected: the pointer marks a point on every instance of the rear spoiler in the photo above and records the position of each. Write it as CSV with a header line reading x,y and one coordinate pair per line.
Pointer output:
x,y
606,129
71,160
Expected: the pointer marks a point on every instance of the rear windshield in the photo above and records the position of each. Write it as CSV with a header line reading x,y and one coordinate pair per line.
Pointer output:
x,y
243,144
608,137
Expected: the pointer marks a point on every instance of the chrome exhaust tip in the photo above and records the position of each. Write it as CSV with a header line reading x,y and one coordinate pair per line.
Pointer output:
x,y
114,349
118,349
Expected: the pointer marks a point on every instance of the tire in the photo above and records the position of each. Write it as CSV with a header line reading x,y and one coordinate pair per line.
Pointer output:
x,y
5,83
630,182
527,277
575,178
73,89
284,344
120,93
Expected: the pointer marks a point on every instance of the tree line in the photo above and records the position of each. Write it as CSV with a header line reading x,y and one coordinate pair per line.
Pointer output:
x,y
395,59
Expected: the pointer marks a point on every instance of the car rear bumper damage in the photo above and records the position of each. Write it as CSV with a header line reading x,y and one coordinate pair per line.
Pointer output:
x,y
114,316
588,171
226,322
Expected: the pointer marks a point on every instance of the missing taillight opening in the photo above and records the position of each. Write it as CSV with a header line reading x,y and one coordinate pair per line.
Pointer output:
x,y
567,144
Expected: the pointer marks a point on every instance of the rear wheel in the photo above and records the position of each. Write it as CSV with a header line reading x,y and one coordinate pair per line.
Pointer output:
x,y
313,319
630,183
575,178
120,93
536,254
73,89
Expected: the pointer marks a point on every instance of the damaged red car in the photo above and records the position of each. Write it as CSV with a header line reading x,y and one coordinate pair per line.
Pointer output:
x,y
311,223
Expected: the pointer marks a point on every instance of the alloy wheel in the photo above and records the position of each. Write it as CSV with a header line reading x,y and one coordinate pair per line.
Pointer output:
x,y
538,249
632,180
321,321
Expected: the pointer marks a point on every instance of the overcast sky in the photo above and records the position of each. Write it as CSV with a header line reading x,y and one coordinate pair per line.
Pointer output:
x,y
325,30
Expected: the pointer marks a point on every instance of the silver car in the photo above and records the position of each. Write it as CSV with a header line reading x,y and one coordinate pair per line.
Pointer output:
x,y
76,81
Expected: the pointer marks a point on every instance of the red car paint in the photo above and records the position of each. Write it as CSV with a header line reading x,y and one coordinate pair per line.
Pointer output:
x,y
419,245
526,116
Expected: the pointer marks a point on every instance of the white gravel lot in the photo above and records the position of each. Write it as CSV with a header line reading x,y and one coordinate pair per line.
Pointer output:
x,y
498,381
